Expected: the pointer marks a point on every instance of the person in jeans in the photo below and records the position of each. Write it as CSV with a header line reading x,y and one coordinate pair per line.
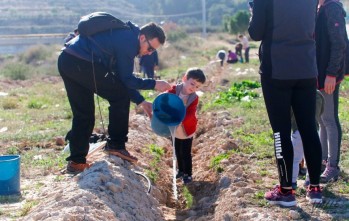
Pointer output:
x,y
246,47
192,81
331,42
86,69
289,79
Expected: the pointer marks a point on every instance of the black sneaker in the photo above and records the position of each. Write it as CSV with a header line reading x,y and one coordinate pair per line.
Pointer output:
x,y
186,179
179,174
314,194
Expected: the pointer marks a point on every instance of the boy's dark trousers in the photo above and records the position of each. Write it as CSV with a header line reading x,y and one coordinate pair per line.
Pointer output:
x,y
183,154
81,80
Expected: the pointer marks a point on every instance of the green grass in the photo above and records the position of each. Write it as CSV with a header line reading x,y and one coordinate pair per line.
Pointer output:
x,y
156,154
188,197
27,207
258,197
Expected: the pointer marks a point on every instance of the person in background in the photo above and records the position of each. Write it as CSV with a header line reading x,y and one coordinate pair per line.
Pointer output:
x,y
246,47
87,70
232,57
221,54
298,153
148,64
193,79
238,52
289,79
331,42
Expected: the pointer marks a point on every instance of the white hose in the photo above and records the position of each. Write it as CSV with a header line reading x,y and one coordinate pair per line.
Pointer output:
x,y
174,170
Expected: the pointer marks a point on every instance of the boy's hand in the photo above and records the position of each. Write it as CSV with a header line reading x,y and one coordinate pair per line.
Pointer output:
x,y
162,85
147,107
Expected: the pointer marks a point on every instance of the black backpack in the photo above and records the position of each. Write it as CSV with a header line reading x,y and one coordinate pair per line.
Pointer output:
x,y
99,22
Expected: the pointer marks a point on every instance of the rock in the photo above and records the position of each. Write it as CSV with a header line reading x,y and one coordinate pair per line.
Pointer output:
x,y
224,182
294,215
60,141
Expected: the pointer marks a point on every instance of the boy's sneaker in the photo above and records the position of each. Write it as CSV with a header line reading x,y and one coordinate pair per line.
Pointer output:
x,y
330,174
179,175
187,179
122,153
75,168
276,197
314,194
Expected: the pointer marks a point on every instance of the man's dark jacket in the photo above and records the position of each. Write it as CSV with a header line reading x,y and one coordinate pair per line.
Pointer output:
x,y
123,46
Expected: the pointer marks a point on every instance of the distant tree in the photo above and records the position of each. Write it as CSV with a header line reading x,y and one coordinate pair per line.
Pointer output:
x,y
216,13
237,23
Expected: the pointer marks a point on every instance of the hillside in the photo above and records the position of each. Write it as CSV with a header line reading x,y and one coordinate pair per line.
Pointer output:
x,y
61,16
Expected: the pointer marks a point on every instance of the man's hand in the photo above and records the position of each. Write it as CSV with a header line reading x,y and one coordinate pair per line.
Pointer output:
x,y
147,107
330,84
162,86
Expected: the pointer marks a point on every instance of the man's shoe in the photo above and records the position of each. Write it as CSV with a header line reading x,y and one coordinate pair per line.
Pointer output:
x,y
330,174
75,168
187,179
122,153
314,194
179,175
276,197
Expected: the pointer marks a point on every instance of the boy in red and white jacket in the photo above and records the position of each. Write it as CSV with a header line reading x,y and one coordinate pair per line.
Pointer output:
x,y
193,79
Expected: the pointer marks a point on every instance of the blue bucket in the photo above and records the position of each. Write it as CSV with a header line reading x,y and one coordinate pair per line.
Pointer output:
x,y
168,110
10,174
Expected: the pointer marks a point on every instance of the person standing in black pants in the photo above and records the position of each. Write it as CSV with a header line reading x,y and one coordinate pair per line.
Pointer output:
x,y
289,80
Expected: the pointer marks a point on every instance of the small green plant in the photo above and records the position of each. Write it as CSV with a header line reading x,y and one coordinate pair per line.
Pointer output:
x,y
156,152
216,160
12,151
36,104
259,197
59,178
238,92
263,172
27,207
188,197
